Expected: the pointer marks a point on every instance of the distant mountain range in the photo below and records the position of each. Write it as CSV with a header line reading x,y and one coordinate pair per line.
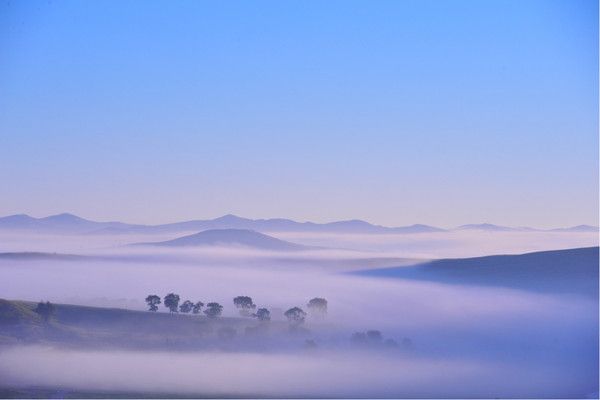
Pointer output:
x,y
69,223
492,228
60,223
499,228
230,237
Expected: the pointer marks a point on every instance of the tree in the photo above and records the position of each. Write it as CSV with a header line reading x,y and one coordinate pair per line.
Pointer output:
x,y
263,314
153,302
295,315
358,338
197,307
186,307
45,310
370,338
244,304
374,336
172,302
213,310
317,306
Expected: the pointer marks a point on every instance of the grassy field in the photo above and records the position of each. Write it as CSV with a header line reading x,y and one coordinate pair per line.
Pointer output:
x,y
571,271
82,326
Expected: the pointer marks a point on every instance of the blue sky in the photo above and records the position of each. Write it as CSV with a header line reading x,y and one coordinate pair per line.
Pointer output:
x,y
397,112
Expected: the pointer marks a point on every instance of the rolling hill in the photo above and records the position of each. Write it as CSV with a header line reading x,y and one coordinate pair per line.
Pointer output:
x,y
578,228
60,223
71,224
117,328
230,237
573,271
493,228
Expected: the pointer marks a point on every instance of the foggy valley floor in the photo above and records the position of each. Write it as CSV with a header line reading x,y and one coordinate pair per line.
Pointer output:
x,y
500,326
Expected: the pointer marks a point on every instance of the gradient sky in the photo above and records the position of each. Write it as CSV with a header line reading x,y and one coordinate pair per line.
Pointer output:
x,y
397,112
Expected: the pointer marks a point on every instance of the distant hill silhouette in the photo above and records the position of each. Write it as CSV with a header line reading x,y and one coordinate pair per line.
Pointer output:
x,y
230,237
286,225
491,228
72,224
60,223
572,271
578,228
69,223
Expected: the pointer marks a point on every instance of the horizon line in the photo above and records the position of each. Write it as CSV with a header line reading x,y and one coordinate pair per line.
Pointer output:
x,y
231,215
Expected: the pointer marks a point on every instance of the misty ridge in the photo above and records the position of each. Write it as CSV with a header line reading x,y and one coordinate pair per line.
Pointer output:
x,y
69,223
229,237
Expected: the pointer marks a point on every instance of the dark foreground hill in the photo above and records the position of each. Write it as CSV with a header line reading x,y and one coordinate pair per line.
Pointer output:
x,y
95,327
573,271
230,237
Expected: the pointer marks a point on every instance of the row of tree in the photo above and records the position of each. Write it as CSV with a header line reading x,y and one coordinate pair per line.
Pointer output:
x,y
244,304
375,338
171,301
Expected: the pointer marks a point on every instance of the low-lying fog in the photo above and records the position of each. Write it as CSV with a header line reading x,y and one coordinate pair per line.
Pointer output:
x,y
321,374
467,341
417,245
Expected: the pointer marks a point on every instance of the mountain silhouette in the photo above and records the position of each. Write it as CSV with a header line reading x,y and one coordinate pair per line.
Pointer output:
x,y
230,237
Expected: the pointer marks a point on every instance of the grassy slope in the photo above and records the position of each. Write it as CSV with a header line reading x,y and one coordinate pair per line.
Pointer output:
x,y
111,327
96,328
18,322
572,271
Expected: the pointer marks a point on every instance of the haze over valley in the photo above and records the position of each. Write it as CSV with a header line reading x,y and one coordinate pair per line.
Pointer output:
x,y
478,317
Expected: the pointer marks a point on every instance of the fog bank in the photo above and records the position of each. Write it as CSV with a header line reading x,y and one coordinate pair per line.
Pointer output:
x,y
317,374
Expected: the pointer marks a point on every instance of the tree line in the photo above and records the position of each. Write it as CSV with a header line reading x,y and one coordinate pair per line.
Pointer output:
x,y
295,315
245,305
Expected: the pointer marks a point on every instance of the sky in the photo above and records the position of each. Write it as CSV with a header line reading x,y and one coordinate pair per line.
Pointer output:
x,y
395,112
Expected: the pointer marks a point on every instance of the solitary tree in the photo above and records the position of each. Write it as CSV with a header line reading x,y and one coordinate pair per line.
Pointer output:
x,y
213,310
172,302
186,307
45,310
317,306
245,305
153,302
263,314
295,315
197,307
